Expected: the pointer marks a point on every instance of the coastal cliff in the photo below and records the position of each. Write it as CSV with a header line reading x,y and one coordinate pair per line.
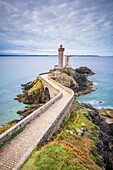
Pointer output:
x,y
86,137
84,141
35,96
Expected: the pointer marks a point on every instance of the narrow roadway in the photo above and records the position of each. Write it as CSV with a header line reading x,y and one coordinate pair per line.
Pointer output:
x,y
14,152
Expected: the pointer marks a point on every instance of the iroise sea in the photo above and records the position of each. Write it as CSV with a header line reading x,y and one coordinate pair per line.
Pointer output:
x,y
17,70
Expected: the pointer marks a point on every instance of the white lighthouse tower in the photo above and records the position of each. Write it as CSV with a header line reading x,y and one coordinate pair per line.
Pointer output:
x,y
60,56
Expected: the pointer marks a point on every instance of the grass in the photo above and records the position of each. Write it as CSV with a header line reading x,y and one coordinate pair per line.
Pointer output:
x,y
62,159
67,150
6,127
37,85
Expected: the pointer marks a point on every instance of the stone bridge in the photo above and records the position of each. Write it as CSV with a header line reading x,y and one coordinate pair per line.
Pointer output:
x,y
52,90
39,126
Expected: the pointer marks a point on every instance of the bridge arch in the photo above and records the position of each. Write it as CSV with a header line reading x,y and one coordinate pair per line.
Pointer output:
x,y
47,93
52,91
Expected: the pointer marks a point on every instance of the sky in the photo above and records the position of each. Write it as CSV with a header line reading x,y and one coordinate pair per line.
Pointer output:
x,y
40,26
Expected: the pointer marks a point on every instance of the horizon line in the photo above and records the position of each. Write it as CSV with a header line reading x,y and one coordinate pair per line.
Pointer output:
x,y
35,55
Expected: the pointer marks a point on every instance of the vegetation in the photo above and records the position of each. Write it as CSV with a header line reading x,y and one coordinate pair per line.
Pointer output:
x,y
37,85
70,148
5,127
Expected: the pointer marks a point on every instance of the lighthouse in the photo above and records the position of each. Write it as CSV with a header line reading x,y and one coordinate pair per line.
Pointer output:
x,y
67,61
60,56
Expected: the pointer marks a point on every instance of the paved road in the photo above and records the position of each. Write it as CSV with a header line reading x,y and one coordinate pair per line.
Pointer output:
x,y
18,148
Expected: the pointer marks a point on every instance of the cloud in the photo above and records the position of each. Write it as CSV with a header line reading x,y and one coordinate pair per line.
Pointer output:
x,y
32,26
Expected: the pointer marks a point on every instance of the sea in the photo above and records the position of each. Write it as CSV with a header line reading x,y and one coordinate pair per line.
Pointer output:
x,y
16,70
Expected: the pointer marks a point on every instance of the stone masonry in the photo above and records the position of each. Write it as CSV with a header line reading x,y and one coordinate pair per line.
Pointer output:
x,y
15,152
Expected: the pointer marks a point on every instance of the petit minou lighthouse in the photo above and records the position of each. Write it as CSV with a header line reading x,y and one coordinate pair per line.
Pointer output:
x,y
61,58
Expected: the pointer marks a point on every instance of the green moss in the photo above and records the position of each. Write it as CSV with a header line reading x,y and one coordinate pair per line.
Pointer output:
x,y
64,122
37,85
97,158
63,136
55,134
77,138
93,143
79,123
6,127
80,167
71,127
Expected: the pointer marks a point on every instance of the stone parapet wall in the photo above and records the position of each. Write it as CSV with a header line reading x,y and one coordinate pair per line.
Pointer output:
x,y
46,120
53,126
57,123
65,112
6,135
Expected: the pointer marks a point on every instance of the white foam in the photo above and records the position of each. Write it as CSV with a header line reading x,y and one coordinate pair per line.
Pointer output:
x,y
93,102
94,83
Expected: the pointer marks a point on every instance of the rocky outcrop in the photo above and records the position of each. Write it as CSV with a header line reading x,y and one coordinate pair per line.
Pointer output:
x,y
34,95
28,110
102,118
105,135
74,79
107,115
84,70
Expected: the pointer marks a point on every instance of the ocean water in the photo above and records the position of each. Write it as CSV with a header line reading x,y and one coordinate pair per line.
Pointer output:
x,y
102,97
17,70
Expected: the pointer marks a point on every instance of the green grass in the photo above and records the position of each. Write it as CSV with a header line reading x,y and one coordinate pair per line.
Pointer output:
x,y
67,150
79,123
37,85
6,127
52,157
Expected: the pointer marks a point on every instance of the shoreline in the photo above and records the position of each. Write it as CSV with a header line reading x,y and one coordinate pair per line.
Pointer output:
x,y
79,83
25,86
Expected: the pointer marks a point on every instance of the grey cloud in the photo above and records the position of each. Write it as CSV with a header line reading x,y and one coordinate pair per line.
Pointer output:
x,y
44,24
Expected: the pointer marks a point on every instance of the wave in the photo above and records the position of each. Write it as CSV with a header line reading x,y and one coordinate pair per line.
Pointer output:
x,y
94,83
95,102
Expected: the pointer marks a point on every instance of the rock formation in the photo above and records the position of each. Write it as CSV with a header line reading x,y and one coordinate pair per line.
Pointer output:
x,y
102,118
105,135
74,79
34,95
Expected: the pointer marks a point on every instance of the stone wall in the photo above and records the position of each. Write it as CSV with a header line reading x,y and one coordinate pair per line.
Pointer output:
x,y
6,135
57,123
53,127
